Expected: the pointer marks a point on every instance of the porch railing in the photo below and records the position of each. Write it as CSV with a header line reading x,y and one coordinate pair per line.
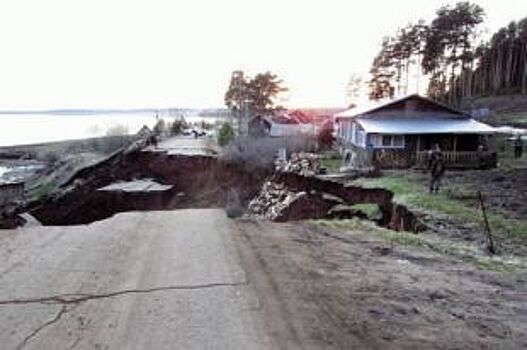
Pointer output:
x,y
461,159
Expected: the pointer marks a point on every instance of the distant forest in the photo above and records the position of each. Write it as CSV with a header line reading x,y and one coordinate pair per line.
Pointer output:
x,y
451,59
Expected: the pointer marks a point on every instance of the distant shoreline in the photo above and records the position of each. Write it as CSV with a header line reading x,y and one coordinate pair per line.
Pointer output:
x,y
28,146
81,111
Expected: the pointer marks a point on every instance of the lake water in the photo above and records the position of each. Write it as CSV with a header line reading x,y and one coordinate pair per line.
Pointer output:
x,y
3,170
21,129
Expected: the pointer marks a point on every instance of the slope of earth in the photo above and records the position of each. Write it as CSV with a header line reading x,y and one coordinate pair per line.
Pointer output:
x,y
348,289
504,190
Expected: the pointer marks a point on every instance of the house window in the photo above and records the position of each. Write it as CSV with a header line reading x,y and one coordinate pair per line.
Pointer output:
x,y
360,138
398,141
387,141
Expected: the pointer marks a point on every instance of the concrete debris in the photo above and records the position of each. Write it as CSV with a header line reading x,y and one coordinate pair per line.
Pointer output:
x,y
273,198
278,203
140,185
302,163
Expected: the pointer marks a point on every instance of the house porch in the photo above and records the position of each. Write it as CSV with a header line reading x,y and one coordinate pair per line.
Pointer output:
x,y
460,151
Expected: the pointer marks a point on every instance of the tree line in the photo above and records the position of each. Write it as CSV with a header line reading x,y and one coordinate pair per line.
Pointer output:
x,y
449,57
255,96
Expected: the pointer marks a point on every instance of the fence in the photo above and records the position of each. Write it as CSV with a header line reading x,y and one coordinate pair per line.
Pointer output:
x,y
471,159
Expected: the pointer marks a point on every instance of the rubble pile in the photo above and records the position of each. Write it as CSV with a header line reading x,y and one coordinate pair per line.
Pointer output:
x,y
303,163
277,202
272,200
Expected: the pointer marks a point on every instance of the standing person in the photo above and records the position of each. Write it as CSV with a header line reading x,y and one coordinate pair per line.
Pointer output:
x,y
153,140
518,147
436,165
481,156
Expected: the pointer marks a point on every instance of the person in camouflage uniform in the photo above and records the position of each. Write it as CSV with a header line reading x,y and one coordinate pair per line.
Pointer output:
x,y
436,165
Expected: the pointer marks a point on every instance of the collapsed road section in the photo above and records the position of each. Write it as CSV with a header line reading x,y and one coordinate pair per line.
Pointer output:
x,y
145,181
138,181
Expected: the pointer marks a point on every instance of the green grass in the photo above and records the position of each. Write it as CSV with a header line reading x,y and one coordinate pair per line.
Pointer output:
x,y
355,224
410,189
500,144
332,163
42,190
510,117
372,211
505,151
408,239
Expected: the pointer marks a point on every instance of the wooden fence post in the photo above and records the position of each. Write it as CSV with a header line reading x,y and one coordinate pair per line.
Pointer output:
x,y
490,242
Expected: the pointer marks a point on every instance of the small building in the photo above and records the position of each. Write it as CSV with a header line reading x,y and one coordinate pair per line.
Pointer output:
x,y
259,126
281,125
399,133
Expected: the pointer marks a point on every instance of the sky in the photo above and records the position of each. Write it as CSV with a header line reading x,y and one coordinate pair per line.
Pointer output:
x,y
158,54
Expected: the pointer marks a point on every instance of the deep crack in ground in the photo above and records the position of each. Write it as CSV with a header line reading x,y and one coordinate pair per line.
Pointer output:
x,y
79,297
68,299
35,332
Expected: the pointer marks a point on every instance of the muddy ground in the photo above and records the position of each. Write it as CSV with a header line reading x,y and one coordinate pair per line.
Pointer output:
x,y
350,290
504,190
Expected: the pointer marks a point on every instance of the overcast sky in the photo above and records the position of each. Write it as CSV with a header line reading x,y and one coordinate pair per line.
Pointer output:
x,y
155,53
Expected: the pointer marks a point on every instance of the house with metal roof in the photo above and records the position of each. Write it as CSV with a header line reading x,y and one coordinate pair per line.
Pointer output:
x,y
400,132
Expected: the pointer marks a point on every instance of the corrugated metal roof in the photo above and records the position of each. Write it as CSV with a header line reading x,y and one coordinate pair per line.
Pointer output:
x,y
373,106
402,126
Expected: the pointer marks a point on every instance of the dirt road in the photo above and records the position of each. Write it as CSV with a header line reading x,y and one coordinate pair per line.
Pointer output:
x,y
186,145
193,279
150,280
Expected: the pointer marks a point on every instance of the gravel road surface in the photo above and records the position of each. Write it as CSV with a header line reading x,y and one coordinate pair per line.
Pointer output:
x,y
149,280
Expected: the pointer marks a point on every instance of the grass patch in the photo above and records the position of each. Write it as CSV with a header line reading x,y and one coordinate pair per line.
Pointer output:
x,y
510,117
372,211
332,163
487,263
505,151
42,190
408,239
355,224
410,189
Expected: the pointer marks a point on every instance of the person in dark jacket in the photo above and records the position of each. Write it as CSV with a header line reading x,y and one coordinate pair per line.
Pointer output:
x,y
518,147
436,165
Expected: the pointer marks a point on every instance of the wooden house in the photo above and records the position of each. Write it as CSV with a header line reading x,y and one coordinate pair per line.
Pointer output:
x,y
399,134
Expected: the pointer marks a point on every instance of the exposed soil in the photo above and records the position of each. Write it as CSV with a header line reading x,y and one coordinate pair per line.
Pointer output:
x,y
504,190
11,222
199,182
348,290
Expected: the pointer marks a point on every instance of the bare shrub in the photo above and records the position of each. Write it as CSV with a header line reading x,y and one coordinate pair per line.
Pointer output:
x,y
117,130
49,157
260,152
